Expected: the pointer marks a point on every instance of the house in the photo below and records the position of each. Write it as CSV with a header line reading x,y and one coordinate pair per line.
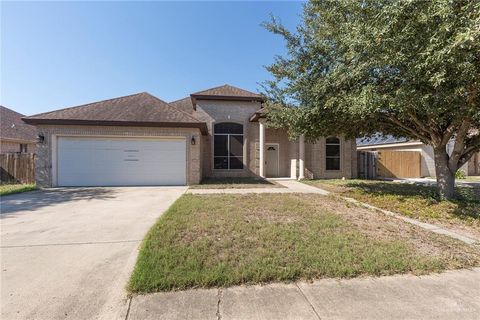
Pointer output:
x,y
15,135
404,158
142,140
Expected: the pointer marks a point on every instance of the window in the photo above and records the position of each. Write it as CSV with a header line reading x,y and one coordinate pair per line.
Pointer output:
x,y
228,146
23,148
332,153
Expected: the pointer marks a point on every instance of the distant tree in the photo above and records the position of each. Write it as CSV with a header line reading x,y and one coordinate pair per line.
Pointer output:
x,y
406,68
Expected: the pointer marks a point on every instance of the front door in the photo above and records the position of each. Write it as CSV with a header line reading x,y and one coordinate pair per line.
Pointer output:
x,y
271,159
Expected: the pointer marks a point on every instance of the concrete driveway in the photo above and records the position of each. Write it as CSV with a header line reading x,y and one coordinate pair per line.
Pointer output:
x,y
67,253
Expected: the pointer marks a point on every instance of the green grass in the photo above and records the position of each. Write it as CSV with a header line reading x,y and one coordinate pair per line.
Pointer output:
x,y
413,200
219,240
237,183
6,189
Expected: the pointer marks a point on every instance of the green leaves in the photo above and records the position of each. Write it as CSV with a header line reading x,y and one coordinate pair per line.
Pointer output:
x,y
356,68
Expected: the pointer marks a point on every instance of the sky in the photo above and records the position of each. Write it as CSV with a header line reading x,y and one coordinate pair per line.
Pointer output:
x,y
61,54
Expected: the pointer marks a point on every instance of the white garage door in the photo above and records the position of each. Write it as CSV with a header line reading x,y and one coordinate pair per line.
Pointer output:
x,y
120,161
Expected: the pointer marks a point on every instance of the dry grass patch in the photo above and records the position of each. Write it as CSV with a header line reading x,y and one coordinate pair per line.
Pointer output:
x,y
413,200
235,183
223,240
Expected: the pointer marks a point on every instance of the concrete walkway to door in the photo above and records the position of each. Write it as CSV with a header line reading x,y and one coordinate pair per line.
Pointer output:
x,y
67,253
291,186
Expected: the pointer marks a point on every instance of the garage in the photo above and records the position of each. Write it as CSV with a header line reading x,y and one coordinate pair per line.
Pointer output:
x,y
106,161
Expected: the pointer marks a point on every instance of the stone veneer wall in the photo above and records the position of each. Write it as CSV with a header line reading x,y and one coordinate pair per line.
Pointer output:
x,y
44,151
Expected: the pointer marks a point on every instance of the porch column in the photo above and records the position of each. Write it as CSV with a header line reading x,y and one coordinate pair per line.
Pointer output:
x,y
262,149
301,158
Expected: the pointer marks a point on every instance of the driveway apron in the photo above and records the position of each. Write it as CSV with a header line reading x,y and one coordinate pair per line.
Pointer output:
x,y
67,253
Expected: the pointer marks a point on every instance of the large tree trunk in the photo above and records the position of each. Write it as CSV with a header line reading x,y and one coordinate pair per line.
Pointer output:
x,y
445,174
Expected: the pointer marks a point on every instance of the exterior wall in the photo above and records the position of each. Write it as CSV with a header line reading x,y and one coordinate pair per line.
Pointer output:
x,y
46,151
215,111
315,162
13,147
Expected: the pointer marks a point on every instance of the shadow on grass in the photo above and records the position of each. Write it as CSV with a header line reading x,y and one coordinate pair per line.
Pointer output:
x,y
466,203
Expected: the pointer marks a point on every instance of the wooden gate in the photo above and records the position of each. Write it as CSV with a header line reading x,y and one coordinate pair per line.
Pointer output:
x,y
399,164
367,164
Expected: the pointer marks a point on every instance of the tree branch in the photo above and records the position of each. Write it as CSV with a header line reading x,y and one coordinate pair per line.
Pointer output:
x,y
411,131
474,146
459,146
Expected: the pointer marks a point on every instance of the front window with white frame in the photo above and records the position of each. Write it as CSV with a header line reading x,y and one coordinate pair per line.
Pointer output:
x,y
228,146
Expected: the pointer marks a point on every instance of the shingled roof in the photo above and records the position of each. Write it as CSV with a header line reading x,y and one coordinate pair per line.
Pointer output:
x,y
184,104
226,92
378,139
141,109
13,128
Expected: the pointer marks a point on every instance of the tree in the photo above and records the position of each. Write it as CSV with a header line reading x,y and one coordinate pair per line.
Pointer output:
x,y
406,68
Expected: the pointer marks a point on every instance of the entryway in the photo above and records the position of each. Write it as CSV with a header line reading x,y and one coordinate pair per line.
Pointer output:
x,y
272,158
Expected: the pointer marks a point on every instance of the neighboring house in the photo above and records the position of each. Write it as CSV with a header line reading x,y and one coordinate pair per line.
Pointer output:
x,y
142,140
397,147
15,135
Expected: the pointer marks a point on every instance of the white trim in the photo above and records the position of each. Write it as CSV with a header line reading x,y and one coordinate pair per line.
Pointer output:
x,y
389,145
301,157
278,155
54,148
262,149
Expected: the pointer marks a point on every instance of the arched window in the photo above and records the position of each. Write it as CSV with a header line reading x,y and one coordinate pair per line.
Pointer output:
x,y
228,146
332,153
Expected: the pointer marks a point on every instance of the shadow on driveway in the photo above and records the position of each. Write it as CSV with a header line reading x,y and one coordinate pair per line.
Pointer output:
x,y
30,201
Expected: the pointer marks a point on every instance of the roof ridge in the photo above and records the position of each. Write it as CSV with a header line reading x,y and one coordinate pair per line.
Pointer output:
x,y
223,85
90,103
11,110
186,113
188,97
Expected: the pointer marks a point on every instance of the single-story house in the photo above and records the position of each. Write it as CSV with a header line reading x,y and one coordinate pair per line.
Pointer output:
x,y
404,158
15,135
142,140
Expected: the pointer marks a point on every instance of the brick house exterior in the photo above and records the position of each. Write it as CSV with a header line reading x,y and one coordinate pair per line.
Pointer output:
x,y
199,120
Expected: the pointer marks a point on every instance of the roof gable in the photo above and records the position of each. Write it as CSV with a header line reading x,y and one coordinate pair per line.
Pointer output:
x,y
226,92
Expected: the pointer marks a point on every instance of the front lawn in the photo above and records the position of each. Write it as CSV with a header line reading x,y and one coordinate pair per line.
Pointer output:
x,y
413,200
237,183
6,189
224,240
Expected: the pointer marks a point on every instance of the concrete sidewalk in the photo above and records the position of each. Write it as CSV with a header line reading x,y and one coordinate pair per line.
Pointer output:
x,y
291,186
450,295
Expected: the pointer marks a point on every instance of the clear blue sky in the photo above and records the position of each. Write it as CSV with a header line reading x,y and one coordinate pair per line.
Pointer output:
x,y
59,54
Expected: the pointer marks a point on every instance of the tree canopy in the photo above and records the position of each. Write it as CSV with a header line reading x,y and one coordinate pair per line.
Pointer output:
x,y
406,68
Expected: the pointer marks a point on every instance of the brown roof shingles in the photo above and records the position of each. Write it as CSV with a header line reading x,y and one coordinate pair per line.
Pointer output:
x,y
227,92
12,127
140,109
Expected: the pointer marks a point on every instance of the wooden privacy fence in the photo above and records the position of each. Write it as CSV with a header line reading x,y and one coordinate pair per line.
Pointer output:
x,y
367,164
17,168
399,164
